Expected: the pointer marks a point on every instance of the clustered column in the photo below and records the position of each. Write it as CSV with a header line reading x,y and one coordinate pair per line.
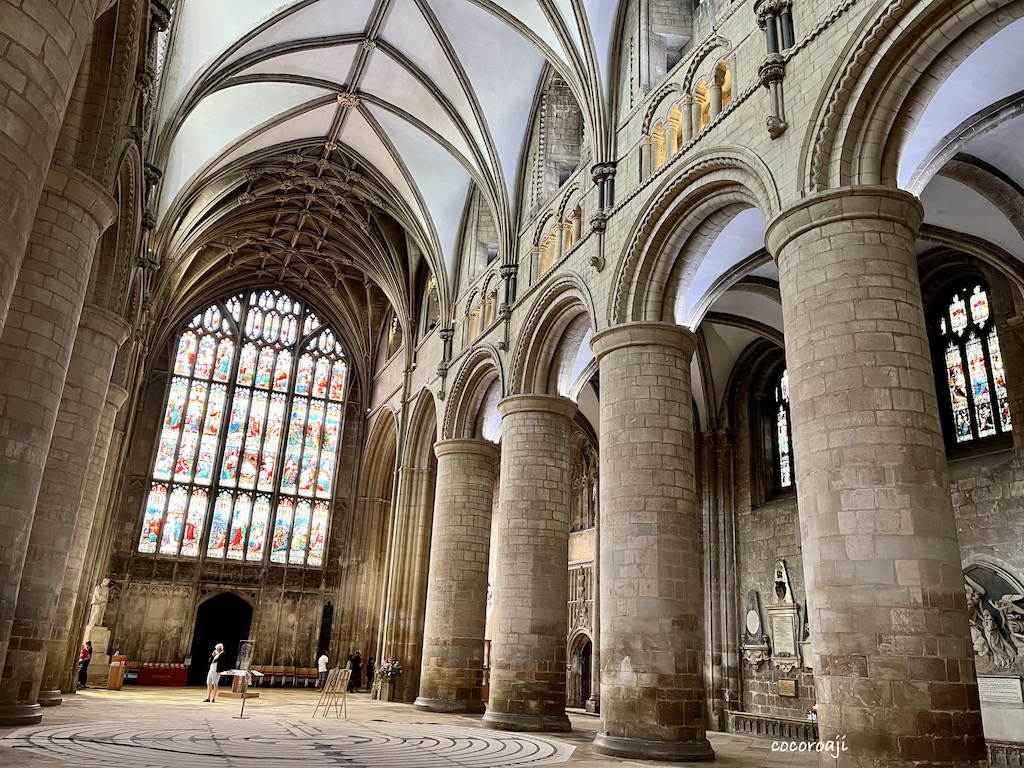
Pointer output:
x,y
527,682
59,525
62,649
652,606
894,671
453,638
35,348
43,43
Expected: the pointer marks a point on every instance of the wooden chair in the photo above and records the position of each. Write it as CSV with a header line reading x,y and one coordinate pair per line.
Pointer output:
x,y
277,674
289,676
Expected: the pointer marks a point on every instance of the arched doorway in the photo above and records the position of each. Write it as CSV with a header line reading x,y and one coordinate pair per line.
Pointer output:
x,y
224,618
586,659
578,672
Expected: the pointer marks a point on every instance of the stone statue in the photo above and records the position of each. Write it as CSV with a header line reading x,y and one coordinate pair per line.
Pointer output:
x,y
975,592
1013,619
98,603
1003,653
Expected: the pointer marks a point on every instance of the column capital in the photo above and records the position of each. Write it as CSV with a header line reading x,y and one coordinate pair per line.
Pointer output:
x,y
857,203
105,323
643,334
77,188
462,445
544,403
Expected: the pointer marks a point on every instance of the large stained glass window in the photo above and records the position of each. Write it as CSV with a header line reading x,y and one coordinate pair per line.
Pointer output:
x,y
975,380
783,444
245,461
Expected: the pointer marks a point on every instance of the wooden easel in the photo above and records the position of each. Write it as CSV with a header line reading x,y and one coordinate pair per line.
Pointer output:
x,y
335,693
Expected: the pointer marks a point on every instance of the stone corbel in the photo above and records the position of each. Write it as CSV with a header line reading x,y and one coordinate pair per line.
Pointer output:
x,y
771,74
756,655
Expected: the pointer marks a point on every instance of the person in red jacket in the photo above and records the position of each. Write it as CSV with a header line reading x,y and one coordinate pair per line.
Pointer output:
x,y
83,663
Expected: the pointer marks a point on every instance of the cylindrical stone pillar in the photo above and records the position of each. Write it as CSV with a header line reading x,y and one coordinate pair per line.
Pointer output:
x,y
715,96
35,347
453,634
687,110
61,524
893,668
652,597
43,44
531,576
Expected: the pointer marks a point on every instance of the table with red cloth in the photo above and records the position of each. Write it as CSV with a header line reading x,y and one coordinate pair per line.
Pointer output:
x,y
163,674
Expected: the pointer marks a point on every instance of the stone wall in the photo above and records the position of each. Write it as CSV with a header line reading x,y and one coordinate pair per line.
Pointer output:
x,y
767,534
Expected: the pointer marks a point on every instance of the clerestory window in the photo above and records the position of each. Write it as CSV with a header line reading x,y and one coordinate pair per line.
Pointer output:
x,y
246,456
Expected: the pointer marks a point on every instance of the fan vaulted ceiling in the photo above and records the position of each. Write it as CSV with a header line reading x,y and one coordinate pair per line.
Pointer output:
x,y
362,113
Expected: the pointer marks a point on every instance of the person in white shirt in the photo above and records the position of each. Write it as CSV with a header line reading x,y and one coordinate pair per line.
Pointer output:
x,y
321,668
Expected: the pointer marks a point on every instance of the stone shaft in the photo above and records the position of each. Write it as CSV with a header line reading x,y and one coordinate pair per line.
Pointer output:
x,y
35,348
893,666
43,43
531,585
652,606
453,639
61,524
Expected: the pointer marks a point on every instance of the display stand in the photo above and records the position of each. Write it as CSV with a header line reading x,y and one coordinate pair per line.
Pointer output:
x,y
335,693
241,684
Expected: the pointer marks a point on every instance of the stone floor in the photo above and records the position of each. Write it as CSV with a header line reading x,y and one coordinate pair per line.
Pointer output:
x,y
173,728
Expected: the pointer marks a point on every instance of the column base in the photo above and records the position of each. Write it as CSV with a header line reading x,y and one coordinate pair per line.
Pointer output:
x,y
52,698
504,721
20,714
671,751
460,706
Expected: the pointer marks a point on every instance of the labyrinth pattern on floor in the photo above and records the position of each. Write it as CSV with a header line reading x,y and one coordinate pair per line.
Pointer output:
x,y
254,742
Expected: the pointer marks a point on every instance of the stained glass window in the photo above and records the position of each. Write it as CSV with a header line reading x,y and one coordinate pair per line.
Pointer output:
x,y
976,383
783,444
246,456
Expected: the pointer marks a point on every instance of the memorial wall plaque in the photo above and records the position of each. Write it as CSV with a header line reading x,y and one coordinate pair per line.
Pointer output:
x,y
1001,690
786,688
783,636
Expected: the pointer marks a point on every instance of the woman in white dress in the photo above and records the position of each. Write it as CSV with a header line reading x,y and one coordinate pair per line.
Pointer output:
x,y
213,676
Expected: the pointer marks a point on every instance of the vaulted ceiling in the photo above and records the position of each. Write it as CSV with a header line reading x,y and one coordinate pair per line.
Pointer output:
x,y
338,140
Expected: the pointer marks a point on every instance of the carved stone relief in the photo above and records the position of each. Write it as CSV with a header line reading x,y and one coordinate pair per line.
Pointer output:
x,y
995,603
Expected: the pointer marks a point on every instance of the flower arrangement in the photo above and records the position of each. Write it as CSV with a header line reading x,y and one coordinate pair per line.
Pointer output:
x,y
386,672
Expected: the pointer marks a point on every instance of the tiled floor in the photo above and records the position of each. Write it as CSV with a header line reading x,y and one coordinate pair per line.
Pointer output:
x,y
173,728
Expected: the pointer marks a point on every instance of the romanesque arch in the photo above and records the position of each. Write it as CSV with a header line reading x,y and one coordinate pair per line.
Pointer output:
x,y
552,337
884,82
712,180
481,374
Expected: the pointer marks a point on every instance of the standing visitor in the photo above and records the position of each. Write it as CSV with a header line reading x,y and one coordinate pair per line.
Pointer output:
x,y
213,676
369,673
357,672
83,664
321,670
